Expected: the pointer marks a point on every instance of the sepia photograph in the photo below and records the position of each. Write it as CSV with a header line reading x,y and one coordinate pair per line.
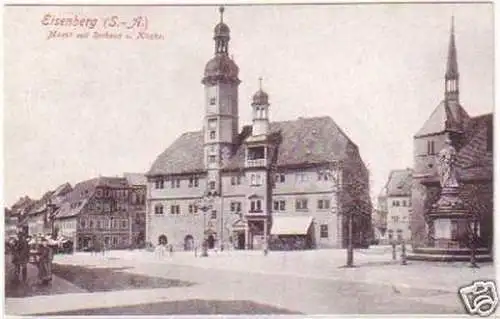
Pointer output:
x,y
249,159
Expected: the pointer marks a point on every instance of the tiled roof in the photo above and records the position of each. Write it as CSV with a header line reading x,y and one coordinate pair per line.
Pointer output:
x,y
303,141
441,116
184,155
474,160
135,178
76,200
68,210
399,182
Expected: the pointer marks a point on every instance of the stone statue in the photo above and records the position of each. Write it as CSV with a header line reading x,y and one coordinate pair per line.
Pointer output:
x,y
446,165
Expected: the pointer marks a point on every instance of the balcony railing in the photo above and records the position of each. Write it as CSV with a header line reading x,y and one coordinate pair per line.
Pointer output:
x,y
256,162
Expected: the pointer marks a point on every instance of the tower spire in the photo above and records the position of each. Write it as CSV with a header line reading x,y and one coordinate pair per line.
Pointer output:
x,y
221,10
260,83
452,75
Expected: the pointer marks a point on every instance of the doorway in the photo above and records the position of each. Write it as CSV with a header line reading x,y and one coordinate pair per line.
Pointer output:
x,y
188,243
240,241
211,242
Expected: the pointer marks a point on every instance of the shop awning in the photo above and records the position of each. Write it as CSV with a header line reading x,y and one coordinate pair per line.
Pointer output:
x,y
288,225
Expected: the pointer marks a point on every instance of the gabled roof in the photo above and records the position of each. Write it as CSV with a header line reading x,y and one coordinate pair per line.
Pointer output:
x,y
303,141
445,116
135,178
62,190
399,182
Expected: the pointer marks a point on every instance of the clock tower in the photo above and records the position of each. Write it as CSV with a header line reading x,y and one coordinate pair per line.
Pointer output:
x,y
220,124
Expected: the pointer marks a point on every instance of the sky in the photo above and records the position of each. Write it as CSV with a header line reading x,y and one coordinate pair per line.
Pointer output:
x,y
76,108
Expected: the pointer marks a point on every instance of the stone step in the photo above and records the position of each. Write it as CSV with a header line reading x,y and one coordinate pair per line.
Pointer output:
x,y
449,251
448,257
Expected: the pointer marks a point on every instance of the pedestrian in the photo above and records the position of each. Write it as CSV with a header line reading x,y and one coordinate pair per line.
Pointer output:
x,y
171,250
44,261
21,257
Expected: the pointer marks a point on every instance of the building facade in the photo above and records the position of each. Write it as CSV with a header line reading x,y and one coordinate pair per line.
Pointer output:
x,y
395,199
103,212
472,137
290,182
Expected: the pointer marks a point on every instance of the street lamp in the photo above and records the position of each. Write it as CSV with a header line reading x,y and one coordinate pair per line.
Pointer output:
x,y
350,251
472,226
205,205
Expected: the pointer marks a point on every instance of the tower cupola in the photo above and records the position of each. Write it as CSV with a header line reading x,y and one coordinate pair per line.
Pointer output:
x,y
260,116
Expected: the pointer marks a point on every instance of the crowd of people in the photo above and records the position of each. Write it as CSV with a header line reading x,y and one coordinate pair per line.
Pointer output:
x,y
36,250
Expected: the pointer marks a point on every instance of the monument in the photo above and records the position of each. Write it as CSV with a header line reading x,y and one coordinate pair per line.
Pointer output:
x,y
451,225
448,218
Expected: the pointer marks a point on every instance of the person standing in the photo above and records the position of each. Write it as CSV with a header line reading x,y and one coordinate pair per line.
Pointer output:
x,y
21,257
44,262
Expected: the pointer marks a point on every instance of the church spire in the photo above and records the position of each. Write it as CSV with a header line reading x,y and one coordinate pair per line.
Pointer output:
x,y
452,75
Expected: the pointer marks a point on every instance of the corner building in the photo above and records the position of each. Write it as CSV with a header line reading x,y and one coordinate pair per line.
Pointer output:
x,y
287,182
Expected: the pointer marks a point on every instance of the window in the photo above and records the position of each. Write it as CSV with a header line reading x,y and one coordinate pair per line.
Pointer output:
x,y
212,158
323,204
430,148
159,184
211,135
124,223
395,203
214,214
83,223
395,219
99,224
323,231
279,178
403,203
193,181
256,205
301,177
255,179
301,204
175,209
235,207
236,180
99,193
322,176
175,183
212,101
115,241
279,205
212,185
91,224
159,209
193,209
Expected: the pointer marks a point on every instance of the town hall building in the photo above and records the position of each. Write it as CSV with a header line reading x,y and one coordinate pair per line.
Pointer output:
x,y
289,184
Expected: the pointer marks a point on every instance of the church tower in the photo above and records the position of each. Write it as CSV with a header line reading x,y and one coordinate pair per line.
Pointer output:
x,y
220,124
